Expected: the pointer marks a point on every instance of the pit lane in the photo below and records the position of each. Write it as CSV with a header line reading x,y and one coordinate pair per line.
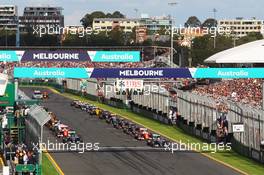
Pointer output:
x,y
112,162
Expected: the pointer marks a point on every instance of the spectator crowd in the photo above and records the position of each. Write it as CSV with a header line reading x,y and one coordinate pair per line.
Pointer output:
x,y
246,91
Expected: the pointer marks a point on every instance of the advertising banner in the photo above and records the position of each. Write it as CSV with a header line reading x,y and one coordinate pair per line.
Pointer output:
x,y
238,127
128,73
69,55
129,84
114,56
52,72
10,56
58,55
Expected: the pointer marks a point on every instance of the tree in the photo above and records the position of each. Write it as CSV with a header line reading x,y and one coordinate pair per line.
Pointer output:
x,y
117,14
49,40
87,20
132,36
202,47
192,21
74,40
117,36
253,36
209,23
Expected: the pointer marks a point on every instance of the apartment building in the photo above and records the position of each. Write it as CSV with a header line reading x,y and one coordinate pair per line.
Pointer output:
x,y
41,17
240,27
108,24
152,24
8,17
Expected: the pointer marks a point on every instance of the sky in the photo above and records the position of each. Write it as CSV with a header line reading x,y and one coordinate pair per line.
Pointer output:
x,y
74,10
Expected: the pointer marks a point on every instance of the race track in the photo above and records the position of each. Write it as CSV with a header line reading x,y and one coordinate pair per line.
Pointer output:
x,y
119,162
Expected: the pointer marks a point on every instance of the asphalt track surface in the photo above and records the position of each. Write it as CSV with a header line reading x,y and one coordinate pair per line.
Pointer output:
x,y
119,162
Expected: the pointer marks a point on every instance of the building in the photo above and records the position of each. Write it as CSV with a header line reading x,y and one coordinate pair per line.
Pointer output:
x,y
41,17
240,27
108,24
152,24
155,24
8,17
141,34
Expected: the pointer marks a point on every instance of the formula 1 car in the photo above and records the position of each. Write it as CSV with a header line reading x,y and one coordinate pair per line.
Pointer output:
x,y
142,134
120,123
114,121
156,140
45,95
59,130
110,117
73,103
85,106
37,95
130,129
125,125
91,110
72,138
104,114
76,104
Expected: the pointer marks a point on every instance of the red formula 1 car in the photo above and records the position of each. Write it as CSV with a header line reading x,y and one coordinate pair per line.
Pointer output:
x,y
142,134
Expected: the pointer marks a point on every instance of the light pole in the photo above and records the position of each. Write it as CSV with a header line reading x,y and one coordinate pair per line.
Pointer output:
x,y
17,32
234,36
171,18
214,11
190,54
136,10
5,28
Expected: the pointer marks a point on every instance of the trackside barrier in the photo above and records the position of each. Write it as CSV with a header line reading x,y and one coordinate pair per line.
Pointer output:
x,y
197,116
200,111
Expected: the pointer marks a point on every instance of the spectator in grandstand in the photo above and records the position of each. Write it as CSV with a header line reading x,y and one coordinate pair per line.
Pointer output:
x,y
247,91
23,155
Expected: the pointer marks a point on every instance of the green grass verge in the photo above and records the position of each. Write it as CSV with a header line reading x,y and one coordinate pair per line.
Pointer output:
x,y
48,167
231,158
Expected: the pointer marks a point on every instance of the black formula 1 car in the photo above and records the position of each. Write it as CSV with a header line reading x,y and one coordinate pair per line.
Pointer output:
x,y
155,140
72,137
104,115
130,129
